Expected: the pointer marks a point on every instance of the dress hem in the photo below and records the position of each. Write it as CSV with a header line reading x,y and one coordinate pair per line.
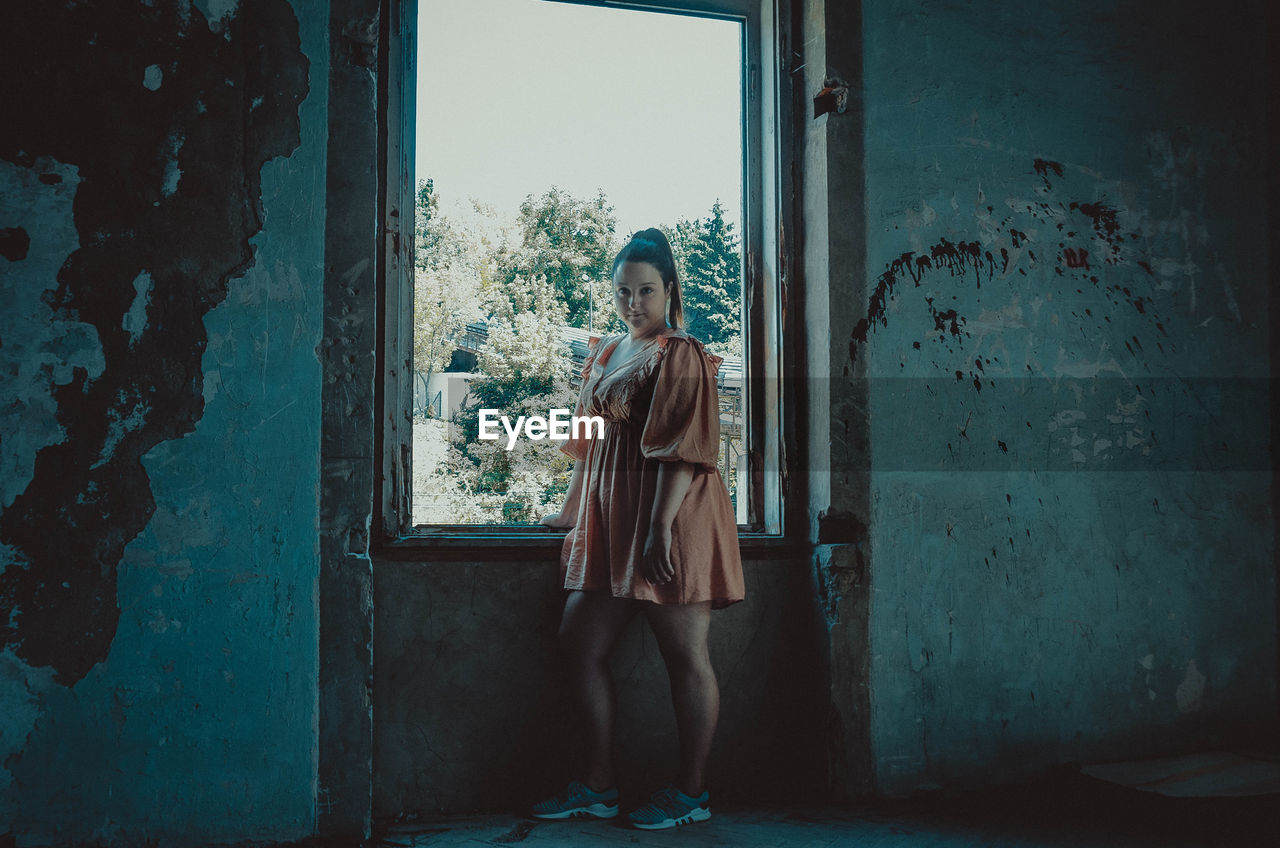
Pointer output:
x,y
716,603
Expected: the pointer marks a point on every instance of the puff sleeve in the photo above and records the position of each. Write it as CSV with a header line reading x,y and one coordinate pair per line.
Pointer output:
x,y
577,448
684,417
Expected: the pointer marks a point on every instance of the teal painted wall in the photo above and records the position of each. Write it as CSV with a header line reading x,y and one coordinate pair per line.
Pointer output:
x,y
1071,523
199,722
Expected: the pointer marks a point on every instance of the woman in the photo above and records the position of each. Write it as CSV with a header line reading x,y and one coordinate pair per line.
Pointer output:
x,y
651,530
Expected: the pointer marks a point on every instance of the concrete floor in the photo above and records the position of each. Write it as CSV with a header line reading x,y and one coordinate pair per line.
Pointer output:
x,y
1064,810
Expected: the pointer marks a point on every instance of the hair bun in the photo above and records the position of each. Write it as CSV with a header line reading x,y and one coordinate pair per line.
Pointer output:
x,y
652,234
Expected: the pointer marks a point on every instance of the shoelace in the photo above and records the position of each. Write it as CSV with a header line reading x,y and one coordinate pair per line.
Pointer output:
x,y
563,798
665,801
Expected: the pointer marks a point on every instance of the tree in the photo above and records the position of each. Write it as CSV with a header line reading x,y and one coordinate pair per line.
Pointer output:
x,y
522,369
526,363
708,254
447,282
569,243
527,280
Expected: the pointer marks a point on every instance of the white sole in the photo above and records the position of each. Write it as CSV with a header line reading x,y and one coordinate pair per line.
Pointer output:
x,y
699,814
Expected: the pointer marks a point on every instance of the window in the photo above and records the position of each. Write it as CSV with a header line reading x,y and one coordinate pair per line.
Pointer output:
x,y
508,291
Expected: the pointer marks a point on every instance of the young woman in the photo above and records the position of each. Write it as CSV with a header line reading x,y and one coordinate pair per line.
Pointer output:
x,y
651,530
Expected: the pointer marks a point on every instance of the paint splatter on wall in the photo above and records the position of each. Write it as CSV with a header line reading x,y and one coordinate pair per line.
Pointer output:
x,y
1065,232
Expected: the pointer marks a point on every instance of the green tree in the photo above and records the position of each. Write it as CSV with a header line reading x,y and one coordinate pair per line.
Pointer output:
x,y
569,243
527,366
708,255
523,368
448,276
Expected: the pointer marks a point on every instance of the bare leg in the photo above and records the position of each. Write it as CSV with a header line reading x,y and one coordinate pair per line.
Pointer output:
x,y
681,631
590,626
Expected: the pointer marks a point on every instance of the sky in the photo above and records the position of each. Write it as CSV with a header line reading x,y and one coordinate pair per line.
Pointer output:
x,y
515,96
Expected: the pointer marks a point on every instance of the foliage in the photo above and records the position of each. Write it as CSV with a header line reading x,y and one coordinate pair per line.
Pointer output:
x,y
524,483
526,363
448,277
526,281
708,256
569,243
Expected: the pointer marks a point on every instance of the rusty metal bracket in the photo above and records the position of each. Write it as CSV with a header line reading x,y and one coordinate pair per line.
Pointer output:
x,y
834,97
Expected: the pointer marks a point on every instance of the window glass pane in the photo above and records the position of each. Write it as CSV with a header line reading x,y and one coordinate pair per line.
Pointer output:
x,y
547,134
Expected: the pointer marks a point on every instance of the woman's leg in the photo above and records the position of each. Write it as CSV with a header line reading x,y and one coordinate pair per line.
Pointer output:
x,y
681,631
590,626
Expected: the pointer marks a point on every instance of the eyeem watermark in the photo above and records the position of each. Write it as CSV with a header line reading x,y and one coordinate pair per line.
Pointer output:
x,y
558,425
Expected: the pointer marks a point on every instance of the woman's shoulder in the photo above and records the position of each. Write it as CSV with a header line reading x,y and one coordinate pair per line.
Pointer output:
x,y
595,345
679,334
683,339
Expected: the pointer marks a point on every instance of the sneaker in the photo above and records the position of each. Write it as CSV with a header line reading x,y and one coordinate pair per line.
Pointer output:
x,y
669,807
578,801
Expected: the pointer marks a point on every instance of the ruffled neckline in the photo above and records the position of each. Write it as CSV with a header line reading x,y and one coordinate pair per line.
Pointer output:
x,y
642,369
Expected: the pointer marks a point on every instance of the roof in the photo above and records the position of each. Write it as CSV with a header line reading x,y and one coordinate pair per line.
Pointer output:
x,y
578,339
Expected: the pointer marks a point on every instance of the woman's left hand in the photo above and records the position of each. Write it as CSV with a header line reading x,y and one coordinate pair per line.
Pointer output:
x,y
655,559
558,521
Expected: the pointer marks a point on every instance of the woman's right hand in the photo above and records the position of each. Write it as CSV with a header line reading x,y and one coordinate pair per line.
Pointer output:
x,y
558,521
655,559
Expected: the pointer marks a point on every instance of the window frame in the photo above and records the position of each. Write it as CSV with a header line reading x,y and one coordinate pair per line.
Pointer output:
x,y
764,265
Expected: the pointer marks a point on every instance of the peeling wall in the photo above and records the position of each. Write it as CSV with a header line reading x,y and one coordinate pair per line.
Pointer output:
x,y
1065,331
161,222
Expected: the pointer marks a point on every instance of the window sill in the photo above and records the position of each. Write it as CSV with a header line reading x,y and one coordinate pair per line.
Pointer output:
x,y
452,543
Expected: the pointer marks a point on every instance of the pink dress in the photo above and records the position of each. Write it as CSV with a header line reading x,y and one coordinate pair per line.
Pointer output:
x,y
660,405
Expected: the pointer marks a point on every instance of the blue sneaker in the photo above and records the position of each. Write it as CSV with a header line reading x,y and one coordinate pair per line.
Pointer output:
x,y
669,807
578,801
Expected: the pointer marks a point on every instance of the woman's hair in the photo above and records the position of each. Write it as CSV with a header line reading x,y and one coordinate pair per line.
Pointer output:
x,y
652,246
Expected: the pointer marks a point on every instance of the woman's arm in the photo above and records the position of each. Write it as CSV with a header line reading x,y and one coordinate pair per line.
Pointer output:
x,y
674,479
568,515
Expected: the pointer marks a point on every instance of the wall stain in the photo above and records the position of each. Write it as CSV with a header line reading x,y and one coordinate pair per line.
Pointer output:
x,y
169,167
1044,166
959,258
14,243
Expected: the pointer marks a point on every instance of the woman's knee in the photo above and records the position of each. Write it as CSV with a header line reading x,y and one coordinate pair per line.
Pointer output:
x,y
682,637
687,660
591,624
578,650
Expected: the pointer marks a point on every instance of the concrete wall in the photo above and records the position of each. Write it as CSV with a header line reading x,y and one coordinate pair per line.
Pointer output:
x,y
162,171
834,442
1066,336
471,710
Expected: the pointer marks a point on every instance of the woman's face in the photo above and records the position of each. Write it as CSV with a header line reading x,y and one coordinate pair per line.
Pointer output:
x,y
640,298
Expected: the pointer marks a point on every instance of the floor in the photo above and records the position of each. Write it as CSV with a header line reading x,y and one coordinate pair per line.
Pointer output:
x,y
1066,809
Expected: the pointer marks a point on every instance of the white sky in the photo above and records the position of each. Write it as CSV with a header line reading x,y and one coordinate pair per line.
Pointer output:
x,y
515,96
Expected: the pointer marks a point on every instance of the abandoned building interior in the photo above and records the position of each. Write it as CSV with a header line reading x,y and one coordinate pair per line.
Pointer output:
x,y
1007,270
